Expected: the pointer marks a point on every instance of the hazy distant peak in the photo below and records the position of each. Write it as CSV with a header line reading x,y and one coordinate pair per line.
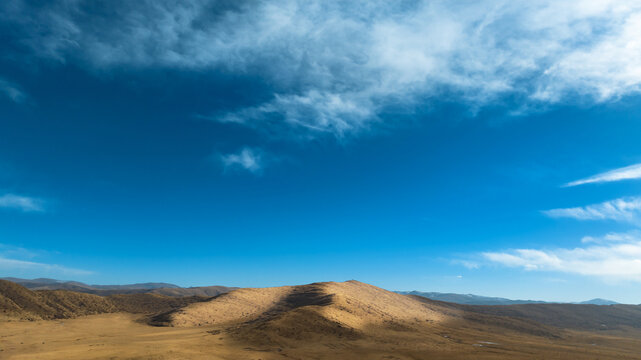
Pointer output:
x,y
471,299
599,301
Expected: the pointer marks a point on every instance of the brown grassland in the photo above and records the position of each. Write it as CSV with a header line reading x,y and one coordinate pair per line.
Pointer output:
x,y
348,320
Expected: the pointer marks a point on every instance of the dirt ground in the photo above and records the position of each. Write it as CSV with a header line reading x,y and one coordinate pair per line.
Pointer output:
x,y
122,336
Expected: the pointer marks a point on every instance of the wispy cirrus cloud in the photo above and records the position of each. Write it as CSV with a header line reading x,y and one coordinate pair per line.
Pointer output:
x,y
627,209
41,269
21,203
335,66
630,236
624,173
10,251
616,256
18,260
12,91
252,160
315,112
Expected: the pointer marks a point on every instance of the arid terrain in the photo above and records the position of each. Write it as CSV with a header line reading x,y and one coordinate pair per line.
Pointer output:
x,y
348,320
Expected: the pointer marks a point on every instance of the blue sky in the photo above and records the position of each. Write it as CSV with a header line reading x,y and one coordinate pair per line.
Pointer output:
x,y
482,147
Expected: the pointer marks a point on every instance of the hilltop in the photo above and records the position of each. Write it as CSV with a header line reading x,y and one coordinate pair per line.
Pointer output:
x,y
349,309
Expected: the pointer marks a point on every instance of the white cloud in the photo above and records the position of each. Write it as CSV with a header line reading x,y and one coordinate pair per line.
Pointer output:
x,y
334,66
622,209
624,173
22,203
39,268
609,69
616,257
12,91
248,159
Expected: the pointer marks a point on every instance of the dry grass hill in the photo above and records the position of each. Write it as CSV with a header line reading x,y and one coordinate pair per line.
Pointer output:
x,y
348,320
350,304
351,309
18,302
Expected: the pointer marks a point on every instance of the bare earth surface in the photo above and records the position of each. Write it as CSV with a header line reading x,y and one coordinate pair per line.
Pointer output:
x,y
349,320
119,336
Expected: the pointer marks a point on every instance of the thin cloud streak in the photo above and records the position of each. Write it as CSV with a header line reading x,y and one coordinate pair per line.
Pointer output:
x,y
7,264
12,91
616,257
10,251
18,260
626,209
21,203
624,173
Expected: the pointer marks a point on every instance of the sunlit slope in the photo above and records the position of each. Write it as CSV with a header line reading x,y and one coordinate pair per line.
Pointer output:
x,y
351,303
339,310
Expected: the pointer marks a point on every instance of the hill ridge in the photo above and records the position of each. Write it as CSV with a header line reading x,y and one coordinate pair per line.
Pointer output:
x,y
347,310
18,302
105,290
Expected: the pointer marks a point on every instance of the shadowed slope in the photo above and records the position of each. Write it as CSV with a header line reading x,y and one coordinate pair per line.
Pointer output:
x,y
21,303
194,291
151,303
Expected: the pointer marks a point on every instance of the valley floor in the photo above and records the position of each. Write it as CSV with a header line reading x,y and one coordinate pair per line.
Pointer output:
x,y
122,336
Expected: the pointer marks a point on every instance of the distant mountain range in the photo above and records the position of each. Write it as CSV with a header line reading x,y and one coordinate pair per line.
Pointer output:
x,y
177,291
470,299
104,290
